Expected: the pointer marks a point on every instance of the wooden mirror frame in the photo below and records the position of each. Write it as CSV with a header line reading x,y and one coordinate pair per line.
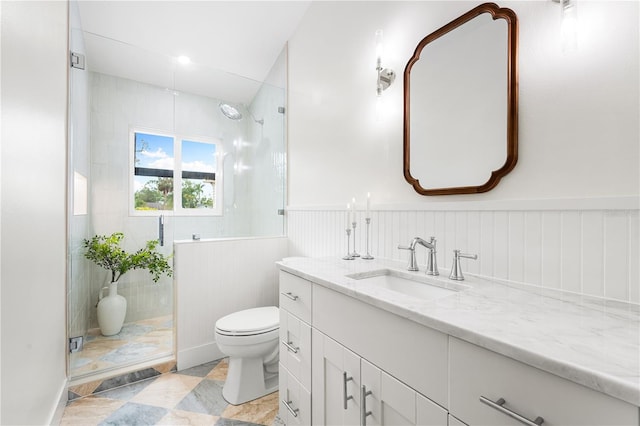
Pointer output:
x,y
512,99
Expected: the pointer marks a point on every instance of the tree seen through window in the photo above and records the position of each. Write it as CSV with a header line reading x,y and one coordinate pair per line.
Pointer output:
x,y
154,168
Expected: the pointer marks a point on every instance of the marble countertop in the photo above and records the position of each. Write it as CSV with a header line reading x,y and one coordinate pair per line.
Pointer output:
x,y
590,341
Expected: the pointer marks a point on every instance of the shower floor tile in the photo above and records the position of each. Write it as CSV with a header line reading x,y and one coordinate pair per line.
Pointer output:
x,y
145,339
188,397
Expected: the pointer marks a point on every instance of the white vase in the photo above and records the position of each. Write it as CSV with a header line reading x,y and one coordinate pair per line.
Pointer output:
x,y
111,310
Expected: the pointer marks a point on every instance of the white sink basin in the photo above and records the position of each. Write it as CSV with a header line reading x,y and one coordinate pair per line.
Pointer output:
x,y
421,287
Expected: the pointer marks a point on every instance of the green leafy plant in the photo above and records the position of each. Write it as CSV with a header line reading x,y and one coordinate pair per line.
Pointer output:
x,y
105,251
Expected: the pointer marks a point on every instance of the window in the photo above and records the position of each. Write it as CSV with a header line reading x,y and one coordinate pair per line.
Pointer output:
x,y
175,174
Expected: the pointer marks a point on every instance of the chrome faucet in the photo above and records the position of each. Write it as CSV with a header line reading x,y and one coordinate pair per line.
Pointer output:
x,y
432,264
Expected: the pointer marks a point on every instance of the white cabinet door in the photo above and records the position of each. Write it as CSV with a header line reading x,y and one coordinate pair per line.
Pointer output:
x,y
295,347
428,413
295,401
385,400
455,422
336,383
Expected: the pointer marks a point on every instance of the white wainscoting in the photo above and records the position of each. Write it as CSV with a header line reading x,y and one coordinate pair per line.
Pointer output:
x,y
215,278
587,251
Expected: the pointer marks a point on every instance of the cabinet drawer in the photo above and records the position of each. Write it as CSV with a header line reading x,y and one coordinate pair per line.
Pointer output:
x,y
415,354
476,372
295,347
295,400
295,296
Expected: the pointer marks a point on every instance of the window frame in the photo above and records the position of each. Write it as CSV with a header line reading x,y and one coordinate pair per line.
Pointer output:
x,y
177,210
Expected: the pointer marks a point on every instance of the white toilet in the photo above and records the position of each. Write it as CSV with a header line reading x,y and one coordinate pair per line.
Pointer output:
x,y
250,339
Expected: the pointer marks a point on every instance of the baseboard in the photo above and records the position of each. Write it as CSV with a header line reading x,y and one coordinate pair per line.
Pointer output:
x,y
58,410
191,357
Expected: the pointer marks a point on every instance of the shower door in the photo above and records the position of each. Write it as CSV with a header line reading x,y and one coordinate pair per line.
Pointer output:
x,y
101,186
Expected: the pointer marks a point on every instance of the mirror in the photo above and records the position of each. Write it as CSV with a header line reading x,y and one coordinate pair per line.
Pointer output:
x,y
461,104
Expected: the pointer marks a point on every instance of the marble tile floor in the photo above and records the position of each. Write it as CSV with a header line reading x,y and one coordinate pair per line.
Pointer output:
x,y
144,339
187,397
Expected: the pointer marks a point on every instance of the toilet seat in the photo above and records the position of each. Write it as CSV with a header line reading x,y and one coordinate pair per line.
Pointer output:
x,y
249,322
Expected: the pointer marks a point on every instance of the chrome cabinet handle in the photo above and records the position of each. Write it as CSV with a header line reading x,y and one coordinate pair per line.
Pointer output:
x,y
290,296
499,405
345,398
294,412
363,405
290,346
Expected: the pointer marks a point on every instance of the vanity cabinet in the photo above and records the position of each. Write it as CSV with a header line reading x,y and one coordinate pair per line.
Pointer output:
x,y
346,386
477,373
414,354
295,350
341,358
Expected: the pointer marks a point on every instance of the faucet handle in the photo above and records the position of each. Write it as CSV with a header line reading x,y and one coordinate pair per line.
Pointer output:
x,y
456,269
413,265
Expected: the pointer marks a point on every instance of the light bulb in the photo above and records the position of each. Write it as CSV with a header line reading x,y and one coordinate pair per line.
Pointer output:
x,y
184,60
379,48
569,24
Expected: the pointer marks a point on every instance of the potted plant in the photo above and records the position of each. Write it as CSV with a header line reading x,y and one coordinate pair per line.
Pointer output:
x,y
105,251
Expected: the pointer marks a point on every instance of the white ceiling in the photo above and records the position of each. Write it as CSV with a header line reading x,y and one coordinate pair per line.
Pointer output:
x,y
232,44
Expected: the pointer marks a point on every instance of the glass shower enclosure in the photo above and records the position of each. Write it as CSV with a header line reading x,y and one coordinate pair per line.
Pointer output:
x,y
158,157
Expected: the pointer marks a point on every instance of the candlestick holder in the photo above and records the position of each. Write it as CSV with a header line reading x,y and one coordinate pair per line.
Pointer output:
x,y
367,256
355,253
348,256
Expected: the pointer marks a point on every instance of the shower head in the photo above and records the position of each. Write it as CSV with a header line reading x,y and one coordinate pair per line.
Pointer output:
x,y
230,111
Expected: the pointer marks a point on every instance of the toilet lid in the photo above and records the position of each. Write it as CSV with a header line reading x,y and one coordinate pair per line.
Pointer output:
x,y
256,320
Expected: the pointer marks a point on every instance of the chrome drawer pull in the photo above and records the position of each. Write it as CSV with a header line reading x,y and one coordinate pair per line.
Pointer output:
x,y
499,405
290,296
294,412
363,405
290,346
345,379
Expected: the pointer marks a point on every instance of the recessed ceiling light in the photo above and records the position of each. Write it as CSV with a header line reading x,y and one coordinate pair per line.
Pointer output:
x,y
184,60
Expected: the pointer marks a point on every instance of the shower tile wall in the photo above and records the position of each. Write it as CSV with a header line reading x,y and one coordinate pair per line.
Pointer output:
x,y
117,104
593,252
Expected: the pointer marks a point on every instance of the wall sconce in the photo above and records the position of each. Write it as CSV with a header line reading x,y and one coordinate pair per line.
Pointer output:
x,y
385,75
568,24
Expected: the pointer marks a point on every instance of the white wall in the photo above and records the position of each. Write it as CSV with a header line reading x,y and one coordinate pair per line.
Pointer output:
x,y
578,111
215,278
34,107
565,217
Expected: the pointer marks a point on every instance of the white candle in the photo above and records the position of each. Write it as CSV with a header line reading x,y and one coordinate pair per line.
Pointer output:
x,y
348,216
353,210
368,204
